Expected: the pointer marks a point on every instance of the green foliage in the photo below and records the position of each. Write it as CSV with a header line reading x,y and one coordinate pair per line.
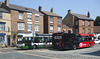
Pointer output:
x,y
97,21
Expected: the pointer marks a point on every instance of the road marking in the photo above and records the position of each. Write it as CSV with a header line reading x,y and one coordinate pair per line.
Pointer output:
x,y
40,56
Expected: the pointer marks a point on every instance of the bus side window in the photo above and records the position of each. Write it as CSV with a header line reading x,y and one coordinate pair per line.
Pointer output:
x,y
83,38
89,38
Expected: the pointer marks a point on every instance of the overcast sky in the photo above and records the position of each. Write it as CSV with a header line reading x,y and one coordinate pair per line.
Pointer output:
x,y
62,6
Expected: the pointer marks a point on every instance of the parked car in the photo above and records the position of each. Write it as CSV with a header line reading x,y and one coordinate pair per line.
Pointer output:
x,y
97,38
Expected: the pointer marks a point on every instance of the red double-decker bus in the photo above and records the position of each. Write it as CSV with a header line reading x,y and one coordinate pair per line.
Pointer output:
x,y
72,41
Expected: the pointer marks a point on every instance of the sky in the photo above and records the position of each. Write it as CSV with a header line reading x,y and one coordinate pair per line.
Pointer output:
x,y
61,7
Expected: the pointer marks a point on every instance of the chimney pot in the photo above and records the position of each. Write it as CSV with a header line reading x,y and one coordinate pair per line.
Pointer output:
x,y
52,10
40,8
69,11
88,15
7,2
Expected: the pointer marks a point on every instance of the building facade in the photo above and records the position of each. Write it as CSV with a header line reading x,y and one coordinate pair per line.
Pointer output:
x,y
52,21
67,29
24,21
5,27
79,23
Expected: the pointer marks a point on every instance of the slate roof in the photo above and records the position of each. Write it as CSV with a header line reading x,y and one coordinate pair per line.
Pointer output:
x,y
50,13
3,10
96,29
21,8
65,26
80,16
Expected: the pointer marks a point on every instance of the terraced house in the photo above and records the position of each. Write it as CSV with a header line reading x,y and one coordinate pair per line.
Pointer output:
x,y
5,27
79,23
52,21
23,20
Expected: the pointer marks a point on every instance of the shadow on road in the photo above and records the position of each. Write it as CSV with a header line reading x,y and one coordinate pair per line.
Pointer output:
x,y
96,53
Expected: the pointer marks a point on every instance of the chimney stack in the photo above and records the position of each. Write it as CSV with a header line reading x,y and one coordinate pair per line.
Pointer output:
x,y
52,10
7,2
88,15
69,11
40,8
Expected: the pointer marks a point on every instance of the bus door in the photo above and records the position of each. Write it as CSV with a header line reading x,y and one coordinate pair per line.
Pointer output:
x,y
57,40
85,41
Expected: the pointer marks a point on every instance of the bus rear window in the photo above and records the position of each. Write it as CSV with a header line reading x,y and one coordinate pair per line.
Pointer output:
x,y
57,37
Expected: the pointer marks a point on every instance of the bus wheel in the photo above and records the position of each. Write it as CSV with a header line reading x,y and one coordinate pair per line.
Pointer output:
x,y
74,47
89,45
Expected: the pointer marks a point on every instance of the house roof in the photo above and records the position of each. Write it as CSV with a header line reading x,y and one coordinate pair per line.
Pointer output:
x,y
80,16
96,29
3,10
50,13
65,26
21,8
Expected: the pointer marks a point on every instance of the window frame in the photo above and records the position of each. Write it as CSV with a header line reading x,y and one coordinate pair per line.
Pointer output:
x,y
2,23
84,31
21,16
36,18
83,22
51,19
37,27
53,28
28,28
59,27
59,20
29,16
21,26
89,23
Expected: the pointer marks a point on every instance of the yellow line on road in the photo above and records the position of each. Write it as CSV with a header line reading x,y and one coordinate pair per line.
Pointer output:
x,y
40,56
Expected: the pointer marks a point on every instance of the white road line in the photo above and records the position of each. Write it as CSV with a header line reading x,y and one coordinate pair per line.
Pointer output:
x,y
40,56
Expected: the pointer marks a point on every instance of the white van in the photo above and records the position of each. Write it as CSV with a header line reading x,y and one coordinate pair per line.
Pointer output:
x,y
97,38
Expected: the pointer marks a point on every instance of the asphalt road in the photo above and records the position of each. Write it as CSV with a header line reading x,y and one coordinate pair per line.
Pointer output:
x,y
84,53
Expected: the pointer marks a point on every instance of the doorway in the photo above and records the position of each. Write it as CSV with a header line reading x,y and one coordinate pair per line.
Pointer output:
x,y
8,39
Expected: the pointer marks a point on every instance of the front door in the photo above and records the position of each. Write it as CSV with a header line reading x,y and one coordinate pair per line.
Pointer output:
x,y
8,39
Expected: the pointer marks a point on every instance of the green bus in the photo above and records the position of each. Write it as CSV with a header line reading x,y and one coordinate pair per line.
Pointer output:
x,y
39,41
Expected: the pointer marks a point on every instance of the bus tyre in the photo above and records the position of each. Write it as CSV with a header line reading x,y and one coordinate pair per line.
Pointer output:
x,y
89,45
74,47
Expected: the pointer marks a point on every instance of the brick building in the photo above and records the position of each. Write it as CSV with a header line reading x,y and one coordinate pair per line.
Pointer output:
x,y
79,23
67,29
24,20
5,27
52,21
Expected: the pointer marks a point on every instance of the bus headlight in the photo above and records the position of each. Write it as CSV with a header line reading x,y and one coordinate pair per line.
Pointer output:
x,y
23,44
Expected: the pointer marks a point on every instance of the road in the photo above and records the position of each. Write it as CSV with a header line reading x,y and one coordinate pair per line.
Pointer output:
x,y
84,53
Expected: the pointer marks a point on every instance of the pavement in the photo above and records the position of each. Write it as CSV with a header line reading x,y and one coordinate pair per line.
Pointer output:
x,y
84,53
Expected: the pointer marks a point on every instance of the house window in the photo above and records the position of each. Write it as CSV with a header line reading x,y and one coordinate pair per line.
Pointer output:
x,y
20,16
76,22
29,26
29,16
59,28
51,19
83,22
64,30
1,38
83,30
37,18
69,31
59,21
89,31
51,28
0,15
89,23
37,27
21,26
2,26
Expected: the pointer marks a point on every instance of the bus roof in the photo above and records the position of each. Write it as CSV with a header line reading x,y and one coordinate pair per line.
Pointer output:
x,y
86,34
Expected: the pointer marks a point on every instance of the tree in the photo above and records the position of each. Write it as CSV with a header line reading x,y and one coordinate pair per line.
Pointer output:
x,y
97,21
